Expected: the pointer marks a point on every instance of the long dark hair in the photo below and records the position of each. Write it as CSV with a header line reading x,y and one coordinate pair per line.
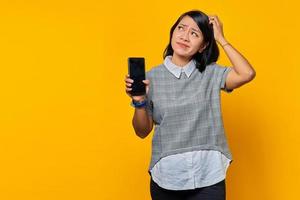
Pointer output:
x,y
211,52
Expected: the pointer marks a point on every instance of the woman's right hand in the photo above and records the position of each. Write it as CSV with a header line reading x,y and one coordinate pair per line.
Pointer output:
x,y
128,83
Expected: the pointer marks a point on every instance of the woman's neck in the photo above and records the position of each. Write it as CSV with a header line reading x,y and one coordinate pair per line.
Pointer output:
x,y
179,61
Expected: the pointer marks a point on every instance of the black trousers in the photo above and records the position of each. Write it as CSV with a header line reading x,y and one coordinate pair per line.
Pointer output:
x,y
212,192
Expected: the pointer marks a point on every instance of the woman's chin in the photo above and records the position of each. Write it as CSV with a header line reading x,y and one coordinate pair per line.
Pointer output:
x,y
181,53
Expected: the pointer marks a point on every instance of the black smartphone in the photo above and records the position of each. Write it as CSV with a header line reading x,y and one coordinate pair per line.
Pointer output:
x,y
136,70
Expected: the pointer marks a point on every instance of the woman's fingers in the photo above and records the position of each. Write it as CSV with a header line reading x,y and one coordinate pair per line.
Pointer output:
x,y
215,19
128,80
146,81
128,92
128,84
212,20
218,20
211,17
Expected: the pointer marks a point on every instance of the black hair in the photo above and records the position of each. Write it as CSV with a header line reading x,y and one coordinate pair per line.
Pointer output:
x,y
211,52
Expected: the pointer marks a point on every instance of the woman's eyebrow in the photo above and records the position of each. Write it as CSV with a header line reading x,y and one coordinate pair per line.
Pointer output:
x,y
192,28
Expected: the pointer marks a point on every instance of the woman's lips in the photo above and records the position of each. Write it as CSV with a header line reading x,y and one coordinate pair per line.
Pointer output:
x,y
182,45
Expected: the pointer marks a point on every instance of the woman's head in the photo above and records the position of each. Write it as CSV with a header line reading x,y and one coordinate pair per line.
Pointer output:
x,y
192,37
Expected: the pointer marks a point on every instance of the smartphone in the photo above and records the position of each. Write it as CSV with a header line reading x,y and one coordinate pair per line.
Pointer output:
x,y
136,71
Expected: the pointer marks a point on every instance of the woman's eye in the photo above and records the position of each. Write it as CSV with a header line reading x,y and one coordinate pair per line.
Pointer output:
x,y
195,34
180,27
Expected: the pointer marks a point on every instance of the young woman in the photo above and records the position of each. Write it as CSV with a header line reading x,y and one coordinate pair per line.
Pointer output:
x,y
190,154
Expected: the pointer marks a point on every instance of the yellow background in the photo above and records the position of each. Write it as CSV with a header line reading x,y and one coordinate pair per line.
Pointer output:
x,y
65,120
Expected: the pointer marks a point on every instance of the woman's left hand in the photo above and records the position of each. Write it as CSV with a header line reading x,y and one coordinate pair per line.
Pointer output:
x,y
218,28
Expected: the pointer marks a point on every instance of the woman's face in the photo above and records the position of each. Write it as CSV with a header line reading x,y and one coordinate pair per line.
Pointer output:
x,y
187,38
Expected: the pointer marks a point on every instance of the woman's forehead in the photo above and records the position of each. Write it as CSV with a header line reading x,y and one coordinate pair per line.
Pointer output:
x,y
189,22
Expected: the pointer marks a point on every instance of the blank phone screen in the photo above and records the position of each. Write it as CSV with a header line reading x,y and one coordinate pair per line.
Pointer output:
x,y
137,73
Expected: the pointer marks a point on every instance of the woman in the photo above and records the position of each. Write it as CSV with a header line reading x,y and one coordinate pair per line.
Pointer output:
x,y
190,154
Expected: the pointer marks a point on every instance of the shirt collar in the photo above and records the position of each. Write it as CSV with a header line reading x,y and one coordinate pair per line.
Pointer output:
x,y
176,70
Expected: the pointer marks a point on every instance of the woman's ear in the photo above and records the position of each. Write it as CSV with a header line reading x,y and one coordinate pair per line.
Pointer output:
x,y
202,48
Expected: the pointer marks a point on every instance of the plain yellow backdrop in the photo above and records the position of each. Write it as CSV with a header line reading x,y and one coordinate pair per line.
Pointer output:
x,y
65,120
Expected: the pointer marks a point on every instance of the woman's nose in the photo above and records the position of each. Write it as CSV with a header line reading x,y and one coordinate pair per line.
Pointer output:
x,y
185,36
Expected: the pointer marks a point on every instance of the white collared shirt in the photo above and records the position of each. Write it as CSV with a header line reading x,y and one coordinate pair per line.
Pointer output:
x,y
177,70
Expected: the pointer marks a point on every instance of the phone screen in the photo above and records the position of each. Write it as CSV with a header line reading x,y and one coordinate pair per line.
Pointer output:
x,y
136,68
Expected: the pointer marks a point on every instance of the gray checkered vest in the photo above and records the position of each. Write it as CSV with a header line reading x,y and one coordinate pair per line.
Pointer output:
x,y
186,111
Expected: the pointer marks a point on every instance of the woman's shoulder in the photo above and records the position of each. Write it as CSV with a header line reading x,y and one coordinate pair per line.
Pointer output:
x,y
155,70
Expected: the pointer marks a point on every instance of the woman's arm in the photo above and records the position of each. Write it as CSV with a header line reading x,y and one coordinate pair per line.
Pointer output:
x,y
142,122
242,71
